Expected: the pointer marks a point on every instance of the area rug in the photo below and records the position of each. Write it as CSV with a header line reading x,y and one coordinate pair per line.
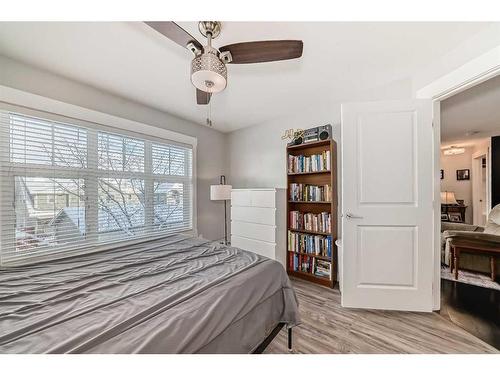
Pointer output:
x,y
472,278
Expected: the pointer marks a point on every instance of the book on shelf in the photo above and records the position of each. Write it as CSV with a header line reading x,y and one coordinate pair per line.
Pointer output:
x,y
314,244
311,163
310,265
312,222
322,268
310,193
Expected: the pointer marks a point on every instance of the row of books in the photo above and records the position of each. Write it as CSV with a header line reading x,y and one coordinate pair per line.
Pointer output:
x,y
312,163
308,221
310,193
310,243
308,264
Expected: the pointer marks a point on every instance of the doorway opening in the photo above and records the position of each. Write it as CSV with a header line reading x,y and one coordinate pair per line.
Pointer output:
x,y
470,234
470,210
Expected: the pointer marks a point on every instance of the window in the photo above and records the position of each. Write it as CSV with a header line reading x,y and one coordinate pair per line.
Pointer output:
x,y
118,153
121,207
168,204
67,187
48,220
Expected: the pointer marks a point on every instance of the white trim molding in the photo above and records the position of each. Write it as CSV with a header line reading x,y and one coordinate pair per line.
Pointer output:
x,y
470,74
20,98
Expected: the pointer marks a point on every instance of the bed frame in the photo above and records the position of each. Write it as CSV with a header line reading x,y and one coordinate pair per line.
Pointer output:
x,y
264,344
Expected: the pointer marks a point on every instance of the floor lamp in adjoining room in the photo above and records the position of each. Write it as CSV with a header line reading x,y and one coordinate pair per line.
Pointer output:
x,y
222,192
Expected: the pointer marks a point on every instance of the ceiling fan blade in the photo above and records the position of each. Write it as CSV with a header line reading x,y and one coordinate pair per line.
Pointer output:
x,y
174,32
264,51
202,97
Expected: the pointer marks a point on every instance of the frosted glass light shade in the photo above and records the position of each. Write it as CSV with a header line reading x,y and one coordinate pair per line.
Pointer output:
x,y
208,73
453,150
448,197
220,192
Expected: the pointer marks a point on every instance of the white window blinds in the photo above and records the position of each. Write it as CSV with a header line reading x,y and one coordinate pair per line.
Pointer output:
x,y
67,187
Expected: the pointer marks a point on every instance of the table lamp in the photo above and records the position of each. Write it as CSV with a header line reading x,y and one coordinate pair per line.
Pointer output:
x,y
448,197
221,192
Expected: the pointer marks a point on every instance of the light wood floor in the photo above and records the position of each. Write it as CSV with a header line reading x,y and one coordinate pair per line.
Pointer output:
x,y
328,328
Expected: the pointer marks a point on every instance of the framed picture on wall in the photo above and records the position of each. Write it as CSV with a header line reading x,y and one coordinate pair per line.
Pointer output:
x,y
463,174
455,217
442,174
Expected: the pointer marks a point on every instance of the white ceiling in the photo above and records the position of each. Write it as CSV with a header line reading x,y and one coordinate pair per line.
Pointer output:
x,y
131,60
472,114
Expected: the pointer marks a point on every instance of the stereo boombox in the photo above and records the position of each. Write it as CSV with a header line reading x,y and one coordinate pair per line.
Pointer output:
x,y
319,133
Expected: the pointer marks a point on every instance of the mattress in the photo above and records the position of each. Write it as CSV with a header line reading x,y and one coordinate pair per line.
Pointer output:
x,y
176,294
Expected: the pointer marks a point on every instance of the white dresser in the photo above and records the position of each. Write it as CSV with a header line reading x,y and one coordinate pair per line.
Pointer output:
x,y
258,221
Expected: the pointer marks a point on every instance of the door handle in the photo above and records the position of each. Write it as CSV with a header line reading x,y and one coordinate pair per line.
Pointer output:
x,y
352,216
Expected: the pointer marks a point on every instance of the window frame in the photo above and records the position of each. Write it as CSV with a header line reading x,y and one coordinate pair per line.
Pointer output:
x,y
91,174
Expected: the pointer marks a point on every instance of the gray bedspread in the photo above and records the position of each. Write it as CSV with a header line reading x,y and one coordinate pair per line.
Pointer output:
x,y
177,294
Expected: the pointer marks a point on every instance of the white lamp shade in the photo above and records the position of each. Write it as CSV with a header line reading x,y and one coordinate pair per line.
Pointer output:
x,y
220,192
448,197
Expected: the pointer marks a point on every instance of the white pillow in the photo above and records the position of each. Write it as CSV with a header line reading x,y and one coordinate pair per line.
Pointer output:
x,y
493,225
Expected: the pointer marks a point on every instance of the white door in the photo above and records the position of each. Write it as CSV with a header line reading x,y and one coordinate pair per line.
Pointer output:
x,y
387,208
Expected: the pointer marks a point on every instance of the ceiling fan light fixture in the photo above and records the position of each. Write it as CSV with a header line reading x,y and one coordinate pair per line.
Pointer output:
x,y
453,150
208,68
208,73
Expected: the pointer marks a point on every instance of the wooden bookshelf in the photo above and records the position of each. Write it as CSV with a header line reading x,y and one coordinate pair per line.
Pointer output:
x,y
304,173
319,178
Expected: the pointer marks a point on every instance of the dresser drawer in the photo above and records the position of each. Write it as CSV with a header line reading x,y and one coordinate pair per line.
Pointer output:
x,y
258,215
241,198
254,231
255,246
263,198
253,198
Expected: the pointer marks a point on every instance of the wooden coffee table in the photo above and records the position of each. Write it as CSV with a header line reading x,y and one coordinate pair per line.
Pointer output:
x,y
473,249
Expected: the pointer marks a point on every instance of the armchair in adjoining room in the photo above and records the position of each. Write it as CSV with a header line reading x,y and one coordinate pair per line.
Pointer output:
x,y
472,247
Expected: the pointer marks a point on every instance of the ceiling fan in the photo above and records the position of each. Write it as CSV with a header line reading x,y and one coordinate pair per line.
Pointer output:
x,y
208,68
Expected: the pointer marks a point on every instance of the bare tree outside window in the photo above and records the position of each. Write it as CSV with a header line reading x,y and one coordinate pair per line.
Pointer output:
x,y
120,179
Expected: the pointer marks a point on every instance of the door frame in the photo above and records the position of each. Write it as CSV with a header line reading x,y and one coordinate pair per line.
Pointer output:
x,y
472,73
477,158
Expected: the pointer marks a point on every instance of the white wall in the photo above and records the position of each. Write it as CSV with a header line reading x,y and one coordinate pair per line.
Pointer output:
x,y
257,153
469,49
211,151
462,189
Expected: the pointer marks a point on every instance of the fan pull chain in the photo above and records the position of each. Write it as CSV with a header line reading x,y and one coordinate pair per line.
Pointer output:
x,y
209,114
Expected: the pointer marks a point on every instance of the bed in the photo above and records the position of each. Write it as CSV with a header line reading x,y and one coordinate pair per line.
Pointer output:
x,y
176,294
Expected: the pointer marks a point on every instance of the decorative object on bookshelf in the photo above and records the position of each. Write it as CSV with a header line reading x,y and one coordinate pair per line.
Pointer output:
x,y
318,133
292,134
312,211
